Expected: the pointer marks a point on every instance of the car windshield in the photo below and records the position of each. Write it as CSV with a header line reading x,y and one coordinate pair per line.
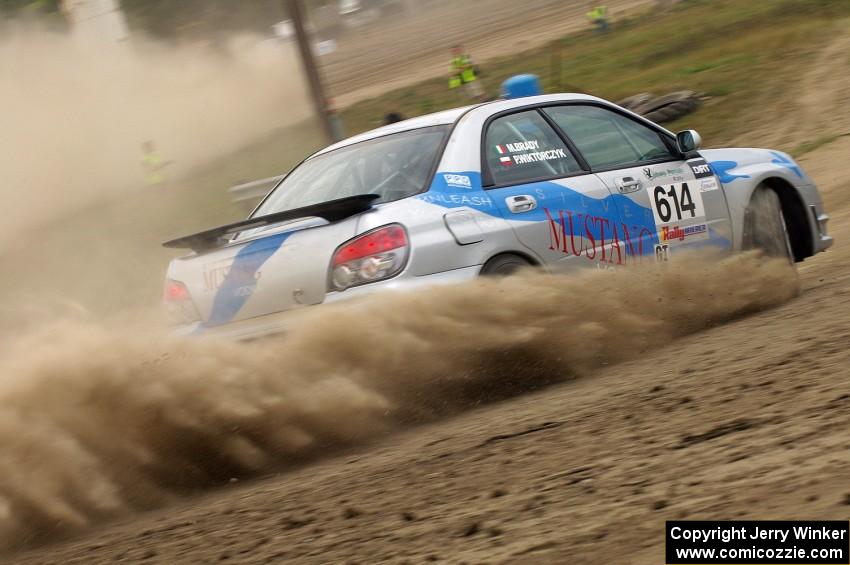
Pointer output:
x,y
393,166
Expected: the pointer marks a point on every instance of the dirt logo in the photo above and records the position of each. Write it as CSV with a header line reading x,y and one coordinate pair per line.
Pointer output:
x,y
700,168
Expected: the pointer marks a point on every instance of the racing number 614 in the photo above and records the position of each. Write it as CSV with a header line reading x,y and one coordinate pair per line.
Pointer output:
x,y
662,204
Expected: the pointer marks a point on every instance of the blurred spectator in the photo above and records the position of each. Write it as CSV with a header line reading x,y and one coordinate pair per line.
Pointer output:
x,y
153,164
392,118
598,16
464,74
337,127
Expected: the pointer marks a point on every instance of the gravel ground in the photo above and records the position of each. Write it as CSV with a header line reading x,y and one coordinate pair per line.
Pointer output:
x,y
746,420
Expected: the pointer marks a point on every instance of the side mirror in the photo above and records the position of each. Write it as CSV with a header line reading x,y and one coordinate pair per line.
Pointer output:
x,y
688,141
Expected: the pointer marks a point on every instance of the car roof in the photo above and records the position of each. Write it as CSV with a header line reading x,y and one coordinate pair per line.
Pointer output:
x,y
447,117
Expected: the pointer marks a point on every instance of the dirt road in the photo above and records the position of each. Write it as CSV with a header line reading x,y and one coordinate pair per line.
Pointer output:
x,y
746,420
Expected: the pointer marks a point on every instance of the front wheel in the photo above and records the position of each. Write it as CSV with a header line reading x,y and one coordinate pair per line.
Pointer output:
x,y
764,225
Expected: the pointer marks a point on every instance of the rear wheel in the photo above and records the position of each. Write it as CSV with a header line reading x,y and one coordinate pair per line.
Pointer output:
x,y
504,265
764,225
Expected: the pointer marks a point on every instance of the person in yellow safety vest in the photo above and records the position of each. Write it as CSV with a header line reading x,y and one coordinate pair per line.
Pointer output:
x,y
464,74
598,15
153,164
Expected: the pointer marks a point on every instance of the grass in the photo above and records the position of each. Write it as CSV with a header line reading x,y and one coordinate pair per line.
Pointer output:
x,y
809,146
742,54
740,51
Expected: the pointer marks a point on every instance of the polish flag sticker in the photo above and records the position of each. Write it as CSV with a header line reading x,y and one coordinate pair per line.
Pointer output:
x,y
506,161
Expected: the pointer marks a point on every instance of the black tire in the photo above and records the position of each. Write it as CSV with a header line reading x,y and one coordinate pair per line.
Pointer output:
x,y
670,112
764,225
636,101
671,107
503,265
665,108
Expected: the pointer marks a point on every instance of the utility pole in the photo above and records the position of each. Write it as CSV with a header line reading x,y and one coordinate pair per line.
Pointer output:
x,y
317,92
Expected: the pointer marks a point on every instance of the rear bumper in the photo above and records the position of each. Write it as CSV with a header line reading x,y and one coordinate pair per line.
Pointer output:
x,y
281,322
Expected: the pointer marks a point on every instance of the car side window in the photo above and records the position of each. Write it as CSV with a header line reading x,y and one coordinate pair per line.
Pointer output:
x,y
607,139
523,147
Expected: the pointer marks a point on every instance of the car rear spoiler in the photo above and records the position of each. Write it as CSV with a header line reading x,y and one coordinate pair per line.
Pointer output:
x,y
332,211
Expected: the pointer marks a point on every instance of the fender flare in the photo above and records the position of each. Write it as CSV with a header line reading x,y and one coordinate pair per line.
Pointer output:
x,y
801,226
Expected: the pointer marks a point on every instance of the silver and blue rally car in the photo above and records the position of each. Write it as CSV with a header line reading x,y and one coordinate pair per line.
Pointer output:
x,y
561,181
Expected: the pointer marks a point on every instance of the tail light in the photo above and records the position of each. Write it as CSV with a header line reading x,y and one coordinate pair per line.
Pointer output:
x,y
178,303
373,256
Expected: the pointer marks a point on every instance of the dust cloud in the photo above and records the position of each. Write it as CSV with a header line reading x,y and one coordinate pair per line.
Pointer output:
x,y
75,114
98,421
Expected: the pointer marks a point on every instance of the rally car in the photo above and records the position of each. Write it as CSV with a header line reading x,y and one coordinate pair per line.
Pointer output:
x,y
562,181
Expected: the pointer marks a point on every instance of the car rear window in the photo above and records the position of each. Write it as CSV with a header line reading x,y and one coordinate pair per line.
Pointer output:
x,y
393,166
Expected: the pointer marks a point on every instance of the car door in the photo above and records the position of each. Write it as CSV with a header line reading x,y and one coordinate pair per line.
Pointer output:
x,y
666,203
556,207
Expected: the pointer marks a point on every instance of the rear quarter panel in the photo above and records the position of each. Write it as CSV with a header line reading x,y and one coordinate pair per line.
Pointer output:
x,y
433,248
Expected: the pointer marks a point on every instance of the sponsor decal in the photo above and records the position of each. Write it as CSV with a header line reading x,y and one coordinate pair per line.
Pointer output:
x,y
240,280
700,168
615,227
216,273
707,185
456,199
677,233
663,173
596,238
461,181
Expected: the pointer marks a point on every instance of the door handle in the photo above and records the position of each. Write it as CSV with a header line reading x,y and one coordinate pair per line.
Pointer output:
x,y
521,203
628,184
